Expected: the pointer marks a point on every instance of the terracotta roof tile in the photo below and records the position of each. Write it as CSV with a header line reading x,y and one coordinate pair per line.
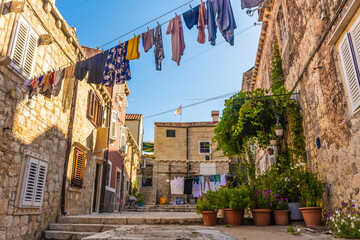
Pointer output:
x,y
186,124
133,116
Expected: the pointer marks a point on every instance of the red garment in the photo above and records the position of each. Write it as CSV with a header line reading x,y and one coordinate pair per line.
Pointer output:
x,y
175,28
202,23
51,81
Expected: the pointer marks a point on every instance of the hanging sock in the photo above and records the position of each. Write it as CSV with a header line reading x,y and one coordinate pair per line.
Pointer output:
x,y
133,48
202,23
250,3
191,17
175,28
159,48
211,23
148,40
225,20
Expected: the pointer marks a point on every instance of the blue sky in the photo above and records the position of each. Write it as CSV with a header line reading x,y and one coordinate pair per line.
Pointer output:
x,y
204,71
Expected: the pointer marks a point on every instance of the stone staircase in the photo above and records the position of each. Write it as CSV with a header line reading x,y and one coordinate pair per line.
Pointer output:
x,y
162,208
79,227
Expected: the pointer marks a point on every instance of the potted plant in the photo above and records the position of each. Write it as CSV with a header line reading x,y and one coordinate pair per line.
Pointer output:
x,y
279,131
311,191
273,142
208,207
223,200
238,200
280,209
261,207
140,198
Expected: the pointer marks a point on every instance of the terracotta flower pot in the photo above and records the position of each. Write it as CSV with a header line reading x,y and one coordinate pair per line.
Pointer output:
x,y
209,218
312,216
234,217
262,217
281,217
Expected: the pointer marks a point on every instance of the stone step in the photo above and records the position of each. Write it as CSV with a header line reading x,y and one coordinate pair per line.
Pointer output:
x,y
65,235
81,227
134,220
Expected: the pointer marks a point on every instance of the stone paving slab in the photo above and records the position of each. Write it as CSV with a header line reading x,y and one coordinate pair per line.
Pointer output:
x,y
140,232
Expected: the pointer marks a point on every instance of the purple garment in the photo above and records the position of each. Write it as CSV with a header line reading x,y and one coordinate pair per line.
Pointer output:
x,y
58,78
210,19
175,28
148,40
250,3
225,20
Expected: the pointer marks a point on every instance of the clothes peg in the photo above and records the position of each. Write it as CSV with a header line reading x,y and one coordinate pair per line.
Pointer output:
x,y
148,28
134,35
158,24
119,42
175,14
102,50
191,7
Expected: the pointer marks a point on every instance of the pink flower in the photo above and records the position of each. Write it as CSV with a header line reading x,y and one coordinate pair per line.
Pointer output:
x,y
265,199
282,198
270,204
279,202
285,199
269,191
275,195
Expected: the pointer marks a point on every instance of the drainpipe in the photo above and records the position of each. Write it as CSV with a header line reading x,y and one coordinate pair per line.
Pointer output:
x,y
187,151
320,43
102,194
68,146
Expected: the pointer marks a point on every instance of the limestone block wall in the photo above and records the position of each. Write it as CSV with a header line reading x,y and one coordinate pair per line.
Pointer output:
x,y
323,99
169,147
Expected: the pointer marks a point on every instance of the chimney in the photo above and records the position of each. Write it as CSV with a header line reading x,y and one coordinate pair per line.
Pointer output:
x,y
215,116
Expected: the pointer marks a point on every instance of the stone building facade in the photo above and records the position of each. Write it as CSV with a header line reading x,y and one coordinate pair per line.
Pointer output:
x,y
182,150
320,49
35,136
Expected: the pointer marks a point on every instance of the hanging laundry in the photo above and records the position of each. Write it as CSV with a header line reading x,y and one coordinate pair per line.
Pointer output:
x,y
177,185
133,48
222,180
202,23
191,17
148,40
210,19
225,20
68,86
250,3
159,48
217,181
94,66
46,88
196,190
123,69
117,67
212,183
175,28
206,187
58,78
188,186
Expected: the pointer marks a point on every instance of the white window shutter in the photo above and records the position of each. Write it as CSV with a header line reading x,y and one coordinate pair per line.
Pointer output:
x,y
122,145
29,184
40,185
19,43
30,53
352,81
114,117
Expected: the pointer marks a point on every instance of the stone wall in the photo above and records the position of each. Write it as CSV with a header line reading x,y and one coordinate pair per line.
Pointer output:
x,y
38,128
323,99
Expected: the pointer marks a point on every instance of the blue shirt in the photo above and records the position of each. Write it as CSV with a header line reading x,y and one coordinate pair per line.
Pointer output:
x,y
191,17
226,20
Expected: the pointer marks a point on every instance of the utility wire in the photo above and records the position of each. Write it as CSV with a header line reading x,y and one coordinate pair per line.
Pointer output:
x,y
146,24
188,60
194,104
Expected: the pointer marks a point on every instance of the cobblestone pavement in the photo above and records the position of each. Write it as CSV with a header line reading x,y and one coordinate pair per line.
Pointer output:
x,y
176,232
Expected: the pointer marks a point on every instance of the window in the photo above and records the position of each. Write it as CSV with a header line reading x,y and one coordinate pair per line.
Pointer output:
x,y
34,183
24,46
95,110
204,147
78,168
114,118
108,174
147,176
122,138
349,50
170,133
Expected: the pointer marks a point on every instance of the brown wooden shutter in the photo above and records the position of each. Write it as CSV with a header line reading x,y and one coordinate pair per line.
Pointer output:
x,y
91,105
100,115
78,168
